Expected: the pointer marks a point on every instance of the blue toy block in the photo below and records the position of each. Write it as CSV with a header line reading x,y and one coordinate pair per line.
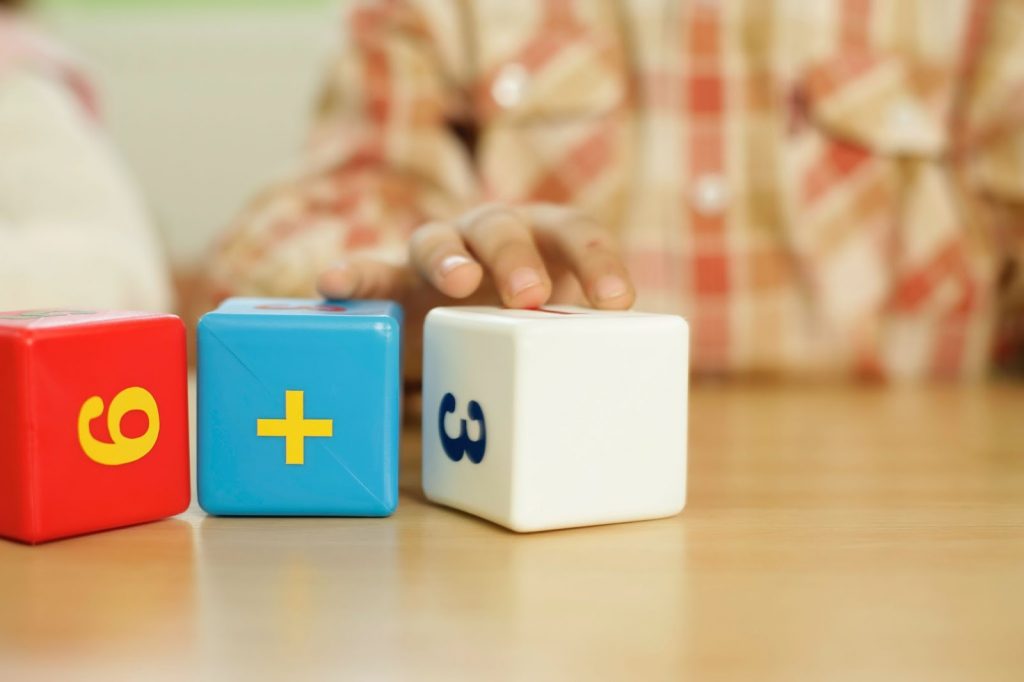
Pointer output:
x,y
299,408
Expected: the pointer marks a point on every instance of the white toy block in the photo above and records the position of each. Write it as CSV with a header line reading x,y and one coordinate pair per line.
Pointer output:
x,y
554,418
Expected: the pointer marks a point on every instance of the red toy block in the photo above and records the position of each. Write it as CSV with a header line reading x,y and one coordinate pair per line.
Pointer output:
x,y
93,421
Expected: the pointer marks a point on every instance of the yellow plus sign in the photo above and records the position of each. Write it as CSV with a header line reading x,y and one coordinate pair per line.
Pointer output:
x,y
294,427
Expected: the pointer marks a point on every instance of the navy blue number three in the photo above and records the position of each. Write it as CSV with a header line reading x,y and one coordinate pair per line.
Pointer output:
x,y
455,448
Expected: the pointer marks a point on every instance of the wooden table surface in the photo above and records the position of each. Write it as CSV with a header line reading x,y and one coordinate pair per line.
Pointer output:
x,y
832,533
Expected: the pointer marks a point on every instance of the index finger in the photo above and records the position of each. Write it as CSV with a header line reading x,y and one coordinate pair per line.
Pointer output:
x,y
501,239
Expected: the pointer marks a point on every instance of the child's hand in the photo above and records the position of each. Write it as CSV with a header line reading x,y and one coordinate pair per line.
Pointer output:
x,y
530,255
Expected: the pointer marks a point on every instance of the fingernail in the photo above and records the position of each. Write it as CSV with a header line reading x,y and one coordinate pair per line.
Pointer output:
x,y
609,287
453,262
522,279
338,266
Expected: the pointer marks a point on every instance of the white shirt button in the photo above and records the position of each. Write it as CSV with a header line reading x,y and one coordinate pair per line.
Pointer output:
x,y
911,130
509,86
710,194
905,116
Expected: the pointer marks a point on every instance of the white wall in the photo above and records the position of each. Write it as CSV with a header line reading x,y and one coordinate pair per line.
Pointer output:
x,y
205,106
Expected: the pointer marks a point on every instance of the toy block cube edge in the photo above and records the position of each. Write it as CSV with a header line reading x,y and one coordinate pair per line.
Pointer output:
x,y
586,416
78,375
320,367
634,417
492,345
16,519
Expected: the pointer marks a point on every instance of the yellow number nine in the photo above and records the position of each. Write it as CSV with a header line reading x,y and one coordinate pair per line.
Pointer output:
x,y
121,449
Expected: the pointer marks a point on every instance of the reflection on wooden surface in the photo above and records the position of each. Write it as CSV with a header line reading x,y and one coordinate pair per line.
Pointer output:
x,y
832,533
104,598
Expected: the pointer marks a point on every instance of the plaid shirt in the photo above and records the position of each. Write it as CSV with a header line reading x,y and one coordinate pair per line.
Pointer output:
x,y
820,187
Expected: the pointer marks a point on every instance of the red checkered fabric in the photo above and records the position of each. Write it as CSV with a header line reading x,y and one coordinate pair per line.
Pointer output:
x,y
828,187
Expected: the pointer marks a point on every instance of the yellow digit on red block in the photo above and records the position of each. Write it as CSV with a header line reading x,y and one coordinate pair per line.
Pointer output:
x,y
121,449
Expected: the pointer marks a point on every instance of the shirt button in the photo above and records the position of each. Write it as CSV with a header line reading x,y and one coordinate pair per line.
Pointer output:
x,y
509,86
710,194
905,116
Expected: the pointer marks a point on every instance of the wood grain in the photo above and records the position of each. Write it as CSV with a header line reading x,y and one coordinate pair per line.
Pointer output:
x,y
832,533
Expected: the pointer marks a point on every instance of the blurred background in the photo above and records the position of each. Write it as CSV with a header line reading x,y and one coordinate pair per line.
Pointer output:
x,y
206,99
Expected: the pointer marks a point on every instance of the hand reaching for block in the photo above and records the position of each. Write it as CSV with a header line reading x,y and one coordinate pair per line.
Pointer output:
x,y
517,257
